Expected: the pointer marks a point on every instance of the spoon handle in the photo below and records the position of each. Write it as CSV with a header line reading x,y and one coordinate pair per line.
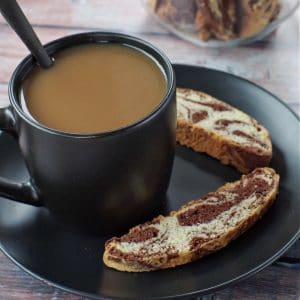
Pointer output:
x,y
13,14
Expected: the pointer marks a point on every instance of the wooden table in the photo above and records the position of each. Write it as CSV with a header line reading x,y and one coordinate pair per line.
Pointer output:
x,y
273,64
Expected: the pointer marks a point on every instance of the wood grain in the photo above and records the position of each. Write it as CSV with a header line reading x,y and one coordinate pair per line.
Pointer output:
x,y
114,15
268,284
267,63
16,284
273,63
272,283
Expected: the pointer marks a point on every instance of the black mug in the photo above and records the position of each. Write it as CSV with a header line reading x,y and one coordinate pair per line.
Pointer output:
x,y
103,182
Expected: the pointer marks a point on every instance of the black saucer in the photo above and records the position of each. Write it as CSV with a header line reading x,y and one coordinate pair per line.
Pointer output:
x,y
71,261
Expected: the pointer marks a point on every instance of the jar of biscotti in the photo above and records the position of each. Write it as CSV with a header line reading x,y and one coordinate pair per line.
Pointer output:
x,y
224,23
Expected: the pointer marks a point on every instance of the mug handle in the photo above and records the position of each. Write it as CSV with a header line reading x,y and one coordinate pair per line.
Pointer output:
x,y
23,192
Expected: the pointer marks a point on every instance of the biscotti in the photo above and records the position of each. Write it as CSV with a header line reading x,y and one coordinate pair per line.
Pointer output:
x,y
216,19
181,13
219,19
198,228
208,125
256,15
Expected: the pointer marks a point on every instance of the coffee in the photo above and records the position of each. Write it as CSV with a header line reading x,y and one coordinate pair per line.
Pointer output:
x,y
94,88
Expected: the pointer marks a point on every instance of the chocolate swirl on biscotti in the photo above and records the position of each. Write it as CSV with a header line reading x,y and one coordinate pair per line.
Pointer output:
x,y
212,126
198,228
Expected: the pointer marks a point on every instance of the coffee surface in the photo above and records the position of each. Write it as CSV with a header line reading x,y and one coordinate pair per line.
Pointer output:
x,y
94,88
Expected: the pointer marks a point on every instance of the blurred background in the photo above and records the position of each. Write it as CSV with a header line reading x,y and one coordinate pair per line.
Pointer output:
x,y
273,63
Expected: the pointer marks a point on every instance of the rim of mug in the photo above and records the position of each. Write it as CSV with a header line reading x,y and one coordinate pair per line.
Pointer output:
x,y
26,65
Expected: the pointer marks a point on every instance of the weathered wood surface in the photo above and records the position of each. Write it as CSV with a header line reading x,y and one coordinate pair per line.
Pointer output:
x,y
272,283
124,15
273,64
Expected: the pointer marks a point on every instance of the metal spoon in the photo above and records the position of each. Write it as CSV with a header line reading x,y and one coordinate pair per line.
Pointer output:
x,y
15,17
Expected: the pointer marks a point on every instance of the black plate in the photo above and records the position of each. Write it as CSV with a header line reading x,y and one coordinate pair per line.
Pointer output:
x,y
73,262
